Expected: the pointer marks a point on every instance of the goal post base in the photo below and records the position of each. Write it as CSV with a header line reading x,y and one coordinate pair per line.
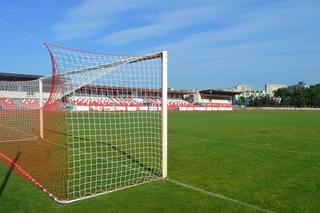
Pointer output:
x,y
101,193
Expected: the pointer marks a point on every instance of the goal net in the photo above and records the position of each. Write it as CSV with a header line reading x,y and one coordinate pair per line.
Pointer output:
x,y
97,125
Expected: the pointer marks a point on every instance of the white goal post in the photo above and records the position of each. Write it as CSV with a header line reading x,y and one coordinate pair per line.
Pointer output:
x,y
164,114
40,107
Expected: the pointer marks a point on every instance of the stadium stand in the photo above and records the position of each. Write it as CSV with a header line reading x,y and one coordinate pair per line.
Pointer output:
x,y
178,103
6,103
121,98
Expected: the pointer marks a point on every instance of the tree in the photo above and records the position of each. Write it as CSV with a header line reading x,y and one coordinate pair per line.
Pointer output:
x,y
301,96
315,95
262,101
283,94
241,101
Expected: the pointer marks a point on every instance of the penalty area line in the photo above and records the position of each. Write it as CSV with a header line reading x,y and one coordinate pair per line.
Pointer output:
x,y
219,196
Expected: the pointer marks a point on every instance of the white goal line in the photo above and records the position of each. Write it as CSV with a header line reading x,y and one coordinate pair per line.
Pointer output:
x,y
219,196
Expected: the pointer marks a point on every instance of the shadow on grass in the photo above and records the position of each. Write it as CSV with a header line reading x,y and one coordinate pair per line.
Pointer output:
x,y
6,179
115,148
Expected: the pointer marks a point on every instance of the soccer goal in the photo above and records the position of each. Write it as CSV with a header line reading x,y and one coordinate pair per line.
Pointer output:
x,y
97,125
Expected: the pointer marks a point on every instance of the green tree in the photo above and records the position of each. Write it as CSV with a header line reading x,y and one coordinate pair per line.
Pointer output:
x,y
301,97
241,101
315,95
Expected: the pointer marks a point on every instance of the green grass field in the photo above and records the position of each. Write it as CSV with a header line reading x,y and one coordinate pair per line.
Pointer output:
x,y
267,159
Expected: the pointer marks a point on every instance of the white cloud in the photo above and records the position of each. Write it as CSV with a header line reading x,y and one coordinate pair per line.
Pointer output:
x,y
274,26
75,30
91,16
172,20
152,17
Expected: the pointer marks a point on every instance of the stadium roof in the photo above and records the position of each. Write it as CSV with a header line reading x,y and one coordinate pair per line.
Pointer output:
x,y
218,92
17,77
181,92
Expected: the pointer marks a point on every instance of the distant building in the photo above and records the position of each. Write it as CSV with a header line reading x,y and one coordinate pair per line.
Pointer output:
x,y
296,86
271,88
212,96
17,77
243,88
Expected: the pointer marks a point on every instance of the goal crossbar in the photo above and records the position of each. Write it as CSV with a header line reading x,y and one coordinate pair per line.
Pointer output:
x,y
115,64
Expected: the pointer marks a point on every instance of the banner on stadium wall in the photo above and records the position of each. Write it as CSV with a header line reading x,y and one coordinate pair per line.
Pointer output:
x,y
182,108
81,108
186,108
208,109
120,108
190,108
199,108
109,108
143,108
131,109
153,108
96,108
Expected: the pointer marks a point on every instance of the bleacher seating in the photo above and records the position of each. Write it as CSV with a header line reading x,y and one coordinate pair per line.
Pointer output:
x,y
30,103
7,103
126,101
178,103
152,101
92,101
104,101
53,105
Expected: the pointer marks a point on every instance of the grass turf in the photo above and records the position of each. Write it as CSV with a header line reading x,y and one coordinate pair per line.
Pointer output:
x,y
269,159
112,150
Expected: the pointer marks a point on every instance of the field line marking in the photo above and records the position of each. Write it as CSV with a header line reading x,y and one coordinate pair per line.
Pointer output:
x,y
16,130
252,146
219,196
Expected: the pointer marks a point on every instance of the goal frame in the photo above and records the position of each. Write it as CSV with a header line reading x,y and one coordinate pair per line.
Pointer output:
x,y
163,55
164,58
41,108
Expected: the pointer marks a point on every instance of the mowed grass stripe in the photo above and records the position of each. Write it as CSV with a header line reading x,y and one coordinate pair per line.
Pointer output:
x,y
248,146
281,130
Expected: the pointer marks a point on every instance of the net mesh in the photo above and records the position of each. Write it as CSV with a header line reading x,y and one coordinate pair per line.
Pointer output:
x,y
94,126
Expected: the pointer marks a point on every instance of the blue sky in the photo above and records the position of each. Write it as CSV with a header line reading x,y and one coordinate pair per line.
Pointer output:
x,y
211,43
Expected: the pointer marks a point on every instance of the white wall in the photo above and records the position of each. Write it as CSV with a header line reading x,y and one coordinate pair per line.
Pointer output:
x,y
14,94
